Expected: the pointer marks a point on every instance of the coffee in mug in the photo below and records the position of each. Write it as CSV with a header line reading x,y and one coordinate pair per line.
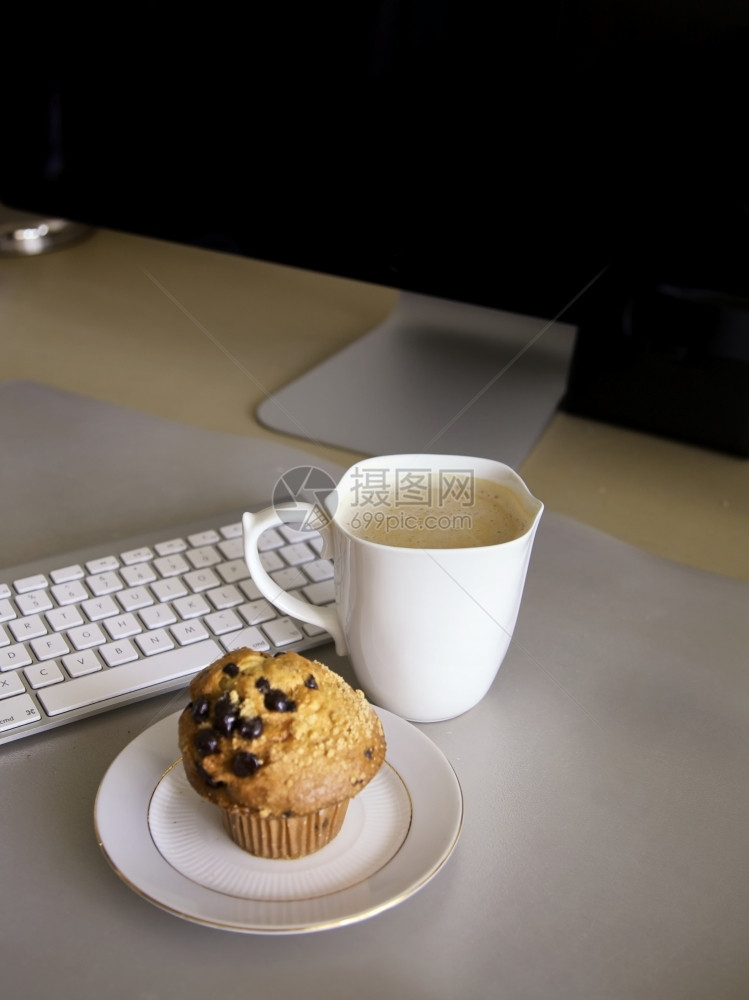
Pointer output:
x,y
489,515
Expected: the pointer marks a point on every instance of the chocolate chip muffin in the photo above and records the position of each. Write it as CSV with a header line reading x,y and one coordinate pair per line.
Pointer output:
x,y
281,745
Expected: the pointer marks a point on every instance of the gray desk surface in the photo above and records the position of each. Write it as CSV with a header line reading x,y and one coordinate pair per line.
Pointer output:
x,y
604,850
606,774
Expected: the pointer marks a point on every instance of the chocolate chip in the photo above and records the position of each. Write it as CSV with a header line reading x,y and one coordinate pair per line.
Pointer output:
x,y
206,741
276,701
200,708
244,764
368,753
231,669
262,684
225,714
250,729
311,683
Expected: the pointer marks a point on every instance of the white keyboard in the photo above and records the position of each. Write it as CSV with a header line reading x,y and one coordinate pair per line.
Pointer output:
x,y
102,627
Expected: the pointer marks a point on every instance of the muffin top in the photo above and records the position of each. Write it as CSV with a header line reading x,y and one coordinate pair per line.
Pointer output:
x,y
281,735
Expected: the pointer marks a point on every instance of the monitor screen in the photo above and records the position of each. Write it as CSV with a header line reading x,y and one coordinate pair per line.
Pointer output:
x,y
504,156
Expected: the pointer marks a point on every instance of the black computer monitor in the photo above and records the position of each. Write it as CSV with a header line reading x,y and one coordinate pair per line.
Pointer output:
x,y
571,159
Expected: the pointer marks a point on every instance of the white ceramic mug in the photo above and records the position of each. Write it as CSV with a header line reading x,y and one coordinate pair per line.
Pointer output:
x,y
426,628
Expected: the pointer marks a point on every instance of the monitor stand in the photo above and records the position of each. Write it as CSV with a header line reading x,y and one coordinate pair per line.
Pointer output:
x,y
436,376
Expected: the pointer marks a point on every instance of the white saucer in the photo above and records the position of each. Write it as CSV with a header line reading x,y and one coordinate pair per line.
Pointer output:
x,y
168,844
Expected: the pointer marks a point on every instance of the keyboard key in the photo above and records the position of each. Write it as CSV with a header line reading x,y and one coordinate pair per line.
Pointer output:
x,y
293,534
123,626
134,556
171,547
320,593
270,539
319,570
297,554
257,612
67,574
86,636
128,678
282,631
70,593
158,616
250,589
5,591
104,583
191,607
136,576
154,642
186,633
203,557
62,618
41,675
12,657
135,598
289,578
18,711
312,630
33,603
224,597
232,548
85,662
99,608
28,583
115,654
171,565
7,611
27,628
223,622
204,538
103,565
50,646
200,580
10,684
233,571
250,637
168,590
271,561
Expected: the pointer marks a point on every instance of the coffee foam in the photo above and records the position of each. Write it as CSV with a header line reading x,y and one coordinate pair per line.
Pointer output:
x,y
494,515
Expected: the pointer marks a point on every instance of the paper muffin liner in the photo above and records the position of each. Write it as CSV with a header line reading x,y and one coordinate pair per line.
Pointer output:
x,y
283,836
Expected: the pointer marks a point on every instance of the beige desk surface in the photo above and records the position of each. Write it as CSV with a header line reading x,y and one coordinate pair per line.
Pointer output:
x,y
203,338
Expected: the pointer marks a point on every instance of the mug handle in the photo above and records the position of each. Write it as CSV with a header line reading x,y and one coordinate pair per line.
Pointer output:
x,y
253,525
